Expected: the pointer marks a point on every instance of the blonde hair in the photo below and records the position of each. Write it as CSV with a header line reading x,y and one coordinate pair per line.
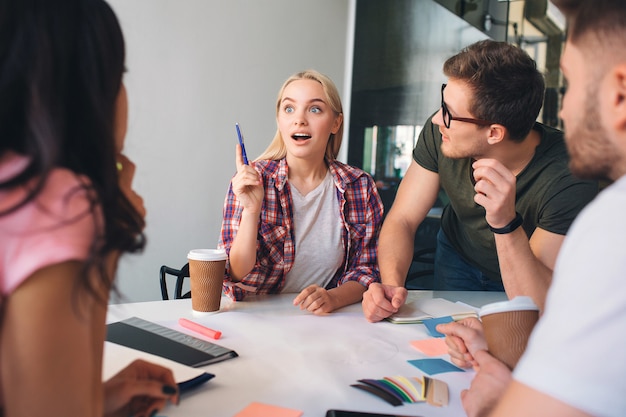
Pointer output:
x,y
276,149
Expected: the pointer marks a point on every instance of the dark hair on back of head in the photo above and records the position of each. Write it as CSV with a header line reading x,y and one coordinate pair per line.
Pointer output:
x,y
506,85
61,67
605,18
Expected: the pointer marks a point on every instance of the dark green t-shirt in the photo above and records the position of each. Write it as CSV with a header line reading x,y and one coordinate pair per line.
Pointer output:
x,y
548,195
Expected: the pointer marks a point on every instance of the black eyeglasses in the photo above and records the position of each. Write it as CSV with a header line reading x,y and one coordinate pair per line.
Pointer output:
x,y
447,117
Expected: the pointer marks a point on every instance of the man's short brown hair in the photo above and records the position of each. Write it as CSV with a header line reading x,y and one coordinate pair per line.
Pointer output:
x,y
506,85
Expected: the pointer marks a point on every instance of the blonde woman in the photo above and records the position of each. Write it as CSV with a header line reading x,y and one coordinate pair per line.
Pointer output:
x,y
296,220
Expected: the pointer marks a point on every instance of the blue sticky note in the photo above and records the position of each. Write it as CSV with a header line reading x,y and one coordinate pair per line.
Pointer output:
x,y
434,366
431,325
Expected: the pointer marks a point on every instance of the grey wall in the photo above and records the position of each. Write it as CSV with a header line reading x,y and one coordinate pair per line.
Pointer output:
x,y
195,67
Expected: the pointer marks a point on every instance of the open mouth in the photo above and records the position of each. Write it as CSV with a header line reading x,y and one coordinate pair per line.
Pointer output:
x,y
300,136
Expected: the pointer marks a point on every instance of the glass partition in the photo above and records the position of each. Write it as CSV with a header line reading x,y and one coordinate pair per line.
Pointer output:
x,y
400,48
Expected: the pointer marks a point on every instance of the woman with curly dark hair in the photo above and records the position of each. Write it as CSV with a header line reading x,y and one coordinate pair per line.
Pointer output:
x,y
67,212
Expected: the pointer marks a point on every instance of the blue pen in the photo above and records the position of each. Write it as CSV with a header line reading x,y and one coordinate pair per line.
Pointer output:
x,y
243,148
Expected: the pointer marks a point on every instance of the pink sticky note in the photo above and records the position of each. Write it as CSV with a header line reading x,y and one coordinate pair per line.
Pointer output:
x,y
266,410
431,347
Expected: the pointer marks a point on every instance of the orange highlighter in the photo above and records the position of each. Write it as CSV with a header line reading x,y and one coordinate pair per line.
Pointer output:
x,y
205,331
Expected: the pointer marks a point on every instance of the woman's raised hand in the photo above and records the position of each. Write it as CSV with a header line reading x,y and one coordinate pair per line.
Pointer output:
x,y
247,185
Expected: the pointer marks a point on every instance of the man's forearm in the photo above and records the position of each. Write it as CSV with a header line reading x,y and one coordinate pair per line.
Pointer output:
x,y
522,272
395,253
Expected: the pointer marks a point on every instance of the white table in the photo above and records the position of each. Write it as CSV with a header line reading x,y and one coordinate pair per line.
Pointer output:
x,y
295,359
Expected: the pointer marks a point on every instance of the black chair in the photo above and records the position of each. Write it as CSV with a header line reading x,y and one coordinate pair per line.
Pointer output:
x,y
421,275
181,275
421,272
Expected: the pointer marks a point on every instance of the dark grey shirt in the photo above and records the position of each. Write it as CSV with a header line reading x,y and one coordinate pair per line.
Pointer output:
x,y
548,195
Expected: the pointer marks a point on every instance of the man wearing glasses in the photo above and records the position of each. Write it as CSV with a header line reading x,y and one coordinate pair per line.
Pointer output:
x,y
512,196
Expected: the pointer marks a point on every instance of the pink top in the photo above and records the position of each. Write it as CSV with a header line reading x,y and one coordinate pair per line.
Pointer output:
x,y
57,226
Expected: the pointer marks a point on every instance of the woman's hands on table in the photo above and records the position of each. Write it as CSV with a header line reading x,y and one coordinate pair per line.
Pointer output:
x,y
140,390
321,301
315,299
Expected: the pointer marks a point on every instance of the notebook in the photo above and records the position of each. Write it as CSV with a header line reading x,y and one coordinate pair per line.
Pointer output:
x,y
427,308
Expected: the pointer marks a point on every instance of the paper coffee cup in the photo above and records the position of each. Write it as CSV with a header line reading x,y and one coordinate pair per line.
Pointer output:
x,y
206,272
507,326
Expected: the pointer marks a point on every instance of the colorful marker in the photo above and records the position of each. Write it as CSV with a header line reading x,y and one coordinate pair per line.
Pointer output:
x,y
214,334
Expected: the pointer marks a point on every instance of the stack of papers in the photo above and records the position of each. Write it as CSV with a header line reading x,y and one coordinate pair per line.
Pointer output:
x,y
429,308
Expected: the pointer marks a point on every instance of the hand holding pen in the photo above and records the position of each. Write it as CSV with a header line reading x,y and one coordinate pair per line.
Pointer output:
x,y
141,388
247,184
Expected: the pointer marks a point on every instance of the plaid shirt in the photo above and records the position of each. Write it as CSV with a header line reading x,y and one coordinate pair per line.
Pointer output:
x,y
361,215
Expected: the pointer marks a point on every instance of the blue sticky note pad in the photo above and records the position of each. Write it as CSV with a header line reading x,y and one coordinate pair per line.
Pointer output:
x,y
434,366
431,324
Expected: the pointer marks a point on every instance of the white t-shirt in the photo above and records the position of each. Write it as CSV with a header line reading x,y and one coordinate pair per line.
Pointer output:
x,y
317,228
577,353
